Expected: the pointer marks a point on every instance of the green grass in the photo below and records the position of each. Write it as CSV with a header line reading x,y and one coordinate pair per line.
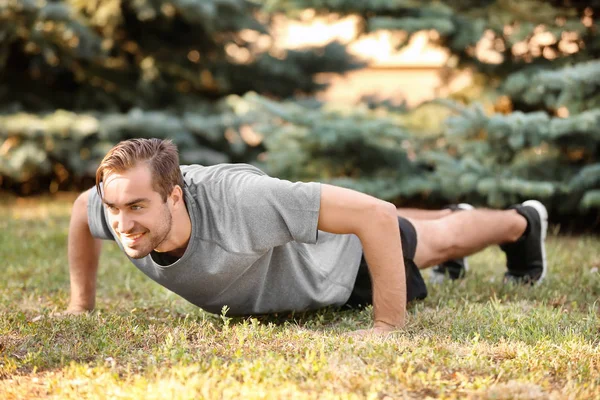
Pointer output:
x,y
475,339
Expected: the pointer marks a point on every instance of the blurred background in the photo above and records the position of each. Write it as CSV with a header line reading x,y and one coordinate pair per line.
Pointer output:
x,y
423,103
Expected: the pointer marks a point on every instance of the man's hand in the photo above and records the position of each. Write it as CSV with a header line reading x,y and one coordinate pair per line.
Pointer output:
x,y
71,310
75,310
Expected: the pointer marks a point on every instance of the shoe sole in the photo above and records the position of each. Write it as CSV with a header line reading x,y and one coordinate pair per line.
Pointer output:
x,y
543,213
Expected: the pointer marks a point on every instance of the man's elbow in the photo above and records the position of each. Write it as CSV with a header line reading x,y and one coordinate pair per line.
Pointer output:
x,y
389,212
382,214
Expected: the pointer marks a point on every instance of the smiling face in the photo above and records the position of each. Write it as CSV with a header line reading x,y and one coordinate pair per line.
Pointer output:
x,y
137,213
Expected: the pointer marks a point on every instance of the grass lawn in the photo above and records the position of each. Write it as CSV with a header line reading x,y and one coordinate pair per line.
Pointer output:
x,y
473,339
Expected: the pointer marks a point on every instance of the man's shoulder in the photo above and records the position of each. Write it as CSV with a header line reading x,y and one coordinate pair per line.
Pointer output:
x,y
195,173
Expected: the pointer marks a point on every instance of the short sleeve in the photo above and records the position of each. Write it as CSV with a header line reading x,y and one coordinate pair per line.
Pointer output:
x,y
269,212
97,218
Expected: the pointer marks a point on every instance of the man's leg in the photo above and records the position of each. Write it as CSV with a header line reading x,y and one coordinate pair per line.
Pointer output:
x,y
426,242
452,269
521,231
464,233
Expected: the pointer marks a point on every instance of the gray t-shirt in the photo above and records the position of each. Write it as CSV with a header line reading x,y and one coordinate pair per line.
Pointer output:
x,y
254,245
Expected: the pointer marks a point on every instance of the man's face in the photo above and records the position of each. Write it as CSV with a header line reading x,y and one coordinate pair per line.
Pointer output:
x,y
141,220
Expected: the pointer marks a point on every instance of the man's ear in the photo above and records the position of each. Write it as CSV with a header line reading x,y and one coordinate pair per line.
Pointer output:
x,y
176,196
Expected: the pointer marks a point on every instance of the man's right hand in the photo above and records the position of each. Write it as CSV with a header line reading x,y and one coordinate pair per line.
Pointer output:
x,y
71,310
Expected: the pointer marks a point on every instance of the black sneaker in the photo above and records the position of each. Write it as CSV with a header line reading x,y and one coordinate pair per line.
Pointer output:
x,y
451,269
526,258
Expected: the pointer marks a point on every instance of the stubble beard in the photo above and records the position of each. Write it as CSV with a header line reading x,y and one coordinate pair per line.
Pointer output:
x,y
153,239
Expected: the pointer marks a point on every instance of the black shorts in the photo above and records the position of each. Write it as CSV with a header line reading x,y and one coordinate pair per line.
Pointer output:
x,y
362,294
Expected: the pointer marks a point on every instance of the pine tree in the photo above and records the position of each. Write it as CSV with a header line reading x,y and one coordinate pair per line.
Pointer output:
x,y
540,137
78,76
116,55
128,68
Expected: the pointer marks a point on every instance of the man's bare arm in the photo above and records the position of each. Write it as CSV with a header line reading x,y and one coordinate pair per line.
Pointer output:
x,y
375,222
84,254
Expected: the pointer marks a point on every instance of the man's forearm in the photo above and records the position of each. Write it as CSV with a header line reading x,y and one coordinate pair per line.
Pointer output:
x,y
383,251
84,253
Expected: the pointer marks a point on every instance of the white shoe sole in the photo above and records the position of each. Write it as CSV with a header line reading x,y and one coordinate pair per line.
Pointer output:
x,y
543,213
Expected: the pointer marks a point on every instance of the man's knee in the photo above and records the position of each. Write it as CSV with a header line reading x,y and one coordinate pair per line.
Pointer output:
x,y
437,242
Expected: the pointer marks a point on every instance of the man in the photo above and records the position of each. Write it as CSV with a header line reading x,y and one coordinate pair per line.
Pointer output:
x,y
231,235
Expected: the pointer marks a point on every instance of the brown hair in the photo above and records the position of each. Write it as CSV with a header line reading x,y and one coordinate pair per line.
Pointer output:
x,y
160,155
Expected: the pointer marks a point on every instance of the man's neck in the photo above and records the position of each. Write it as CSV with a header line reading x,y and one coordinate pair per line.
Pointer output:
x,y
179,237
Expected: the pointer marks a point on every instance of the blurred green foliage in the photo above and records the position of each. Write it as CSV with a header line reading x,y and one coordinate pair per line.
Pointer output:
x,y
78,76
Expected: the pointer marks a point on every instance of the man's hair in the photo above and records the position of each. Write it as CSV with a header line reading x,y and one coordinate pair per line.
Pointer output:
x,y
160,155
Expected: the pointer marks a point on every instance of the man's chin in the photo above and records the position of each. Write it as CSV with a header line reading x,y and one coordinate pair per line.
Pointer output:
x,y
136,254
